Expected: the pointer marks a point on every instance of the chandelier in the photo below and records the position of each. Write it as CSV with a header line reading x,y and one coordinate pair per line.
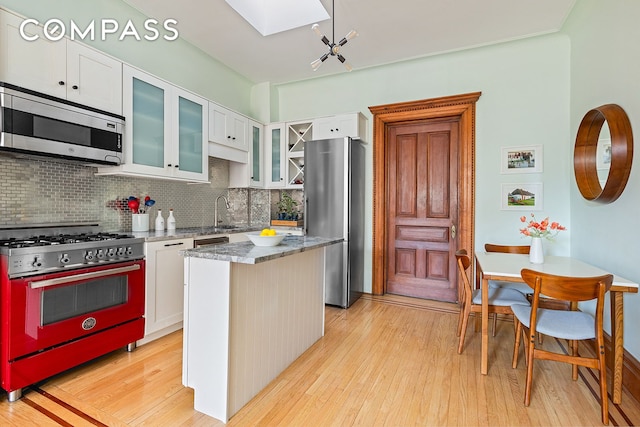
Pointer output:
x,y
334,48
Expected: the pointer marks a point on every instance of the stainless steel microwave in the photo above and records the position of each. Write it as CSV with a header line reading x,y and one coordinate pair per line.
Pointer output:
x,y
35,123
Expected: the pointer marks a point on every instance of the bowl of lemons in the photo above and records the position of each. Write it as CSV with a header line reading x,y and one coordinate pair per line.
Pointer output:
x,y
266,237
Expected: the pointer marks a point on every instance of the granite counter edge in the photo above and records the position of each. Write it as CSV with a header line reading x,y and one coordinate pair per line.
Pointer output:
x,y
240,252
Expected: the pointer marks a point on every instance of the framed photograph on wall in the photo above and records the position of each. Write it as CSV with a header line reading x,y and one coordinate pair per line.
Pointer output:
x,y
521,197
523,159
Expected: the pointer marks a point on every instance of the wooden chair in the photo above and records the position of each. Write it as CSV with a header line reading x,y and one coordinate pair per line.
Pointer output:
x,y
509,249
520,287
500,299
571,325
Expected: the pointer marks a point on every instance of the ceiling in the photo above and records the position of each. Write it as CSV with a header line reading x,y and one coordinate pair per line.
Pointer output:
x,y
389,31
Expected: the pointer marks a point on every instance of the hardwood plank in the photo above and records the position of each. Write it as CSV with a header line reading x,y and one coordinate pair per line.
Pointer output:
x,y
380,363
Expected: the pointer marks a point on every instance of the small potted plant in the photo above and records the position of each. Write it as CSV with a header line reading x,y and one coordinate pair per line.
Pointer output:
x,y
287,208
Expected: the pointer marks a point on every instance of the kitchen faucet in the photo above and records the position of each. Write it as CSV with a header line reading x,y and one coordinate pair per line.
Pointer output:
x,y
215,212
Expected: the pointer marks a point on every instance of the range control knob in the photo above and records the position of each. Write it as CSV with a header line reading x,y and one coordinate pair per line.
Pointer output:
x,y
100,254
89,256
129,251
37,262
64,259
111,252
120,251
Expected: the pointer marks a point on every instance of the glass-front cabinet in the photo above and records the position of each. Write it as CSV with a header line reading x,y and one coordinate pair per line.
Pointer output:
x,y
148,120
255,154
275,155
165,130
191,134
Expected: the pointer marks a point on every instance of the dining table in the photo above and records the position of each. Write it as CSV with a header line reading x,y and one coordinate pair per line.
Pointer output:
x,y
507,267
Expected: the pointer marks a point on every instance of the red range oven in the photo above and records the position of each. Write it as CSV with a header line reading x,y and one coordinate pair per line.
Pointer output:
x,y
65,303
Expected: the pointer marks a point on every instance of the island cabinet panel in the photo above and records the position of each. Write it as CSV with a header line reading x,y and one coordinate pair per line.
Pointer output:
x,y
245,323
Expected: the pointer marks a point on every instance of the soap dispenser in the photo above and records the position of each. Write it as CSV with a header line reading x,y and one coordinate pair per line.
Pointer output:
x,y
171,221
159,221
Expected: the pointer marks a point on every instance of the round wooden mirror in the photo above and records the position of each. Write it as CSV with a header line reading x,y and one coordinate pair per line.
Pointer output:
x,y
589,148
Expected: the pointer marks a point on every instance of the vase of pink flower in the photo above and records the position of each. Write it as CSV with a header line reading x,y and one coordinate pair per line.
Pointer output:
x,y
538,231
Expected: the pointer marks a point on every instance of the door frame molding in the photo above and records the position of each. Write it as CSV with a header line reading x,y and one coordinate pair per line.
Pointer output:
x,y
462,107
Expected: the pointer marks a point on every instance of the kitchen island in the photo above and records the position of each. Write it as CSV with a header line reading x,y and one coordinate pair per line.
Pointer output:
x,y
249,312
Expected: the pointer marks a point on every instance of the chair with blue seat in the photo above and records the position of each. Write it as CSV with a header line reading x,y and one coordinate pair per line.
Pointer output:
x,y
500,299
520,287
509,249
572,325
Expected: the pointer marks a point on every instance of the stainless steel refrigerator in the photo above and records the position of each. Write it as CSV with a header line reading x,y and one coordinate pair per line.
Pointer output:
x,y
334,207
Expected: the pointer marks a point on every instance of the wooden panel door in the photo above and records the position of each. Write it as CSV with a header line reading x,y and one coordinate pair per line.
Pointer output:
x,y
422,209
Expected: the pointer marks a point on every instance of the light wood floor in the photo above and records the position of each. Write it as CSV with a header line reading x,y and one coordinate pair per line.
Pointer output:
x,y
384,362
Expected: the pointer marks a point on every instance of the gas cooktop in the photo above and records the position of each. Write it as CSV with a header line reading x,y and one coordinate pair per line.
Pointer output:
x,y
60,239
44,249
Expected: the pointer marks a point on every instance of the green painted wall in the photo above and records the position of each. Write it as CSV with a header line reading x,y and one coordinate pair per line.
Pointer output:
x,y
604,69
525,101
176,61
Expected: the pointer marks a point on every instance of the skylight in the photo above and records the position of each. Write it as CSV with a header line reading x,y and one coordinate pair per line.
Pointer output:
x,y
274,16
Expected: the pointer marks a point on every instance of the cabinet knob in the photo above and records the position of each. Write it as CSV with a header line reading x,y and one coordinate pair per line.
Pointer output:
x,y
61,83
74,87
169,165
176,166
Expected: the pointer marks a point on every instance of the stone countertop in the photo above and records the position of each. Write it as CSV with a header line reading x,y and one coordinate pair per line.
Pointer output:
x,y
185,233
248,253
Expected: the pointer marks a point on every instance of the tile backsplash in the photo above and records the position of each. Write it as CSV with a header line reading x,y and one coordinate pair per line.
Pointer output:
x,y
42,190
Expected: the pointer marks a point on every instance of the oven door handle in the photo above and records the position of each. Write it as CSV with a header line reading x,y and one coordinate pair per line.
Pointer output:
x,y
83,276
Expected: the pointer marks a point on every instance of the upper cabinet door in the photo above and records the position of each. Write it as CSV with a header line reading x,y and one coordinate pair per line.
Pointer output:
x,y
38,65
275,155
227,127
256,153
93,79
191,155
353,125
147,116
62,68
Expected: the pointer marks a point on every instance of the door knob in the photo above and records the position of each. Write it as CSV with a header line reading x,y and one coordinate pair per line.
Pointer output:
x,y
453,232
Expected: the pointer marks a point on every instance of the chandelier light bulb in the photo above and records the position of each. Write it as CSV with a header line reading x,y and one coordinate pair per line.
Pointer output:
x,y
318,62
352,34
316,29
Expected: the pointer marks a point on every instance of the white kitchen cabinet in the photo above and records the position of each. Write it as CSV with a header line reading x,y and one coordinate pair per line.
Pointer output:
x,y
284,153
340,126
256,154
227,127
164,287
93,78
165,132
274,155
64,68
251,174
